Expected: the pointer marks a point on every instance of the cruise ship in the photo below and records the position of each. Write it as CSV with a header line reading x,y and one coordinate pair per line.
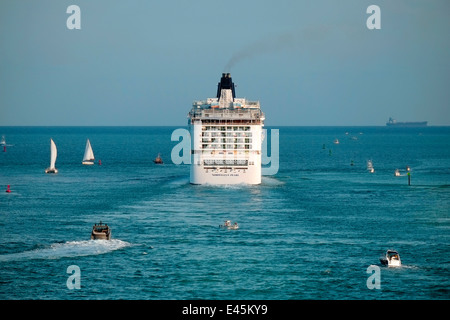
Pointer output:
x,y
226,138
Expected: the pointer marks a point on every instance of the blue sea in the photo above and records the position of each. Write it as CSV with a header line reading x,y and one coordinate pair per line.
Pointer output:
x,y
313,230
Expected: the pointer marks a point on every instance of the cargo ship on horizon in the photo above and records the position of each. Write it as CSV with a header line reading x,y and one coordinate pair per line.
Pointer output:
x,y
394,123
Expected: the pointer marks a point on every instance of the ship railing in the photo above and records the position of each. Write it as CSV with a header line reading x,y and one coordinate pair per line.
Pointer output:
x,y
226,113
225,162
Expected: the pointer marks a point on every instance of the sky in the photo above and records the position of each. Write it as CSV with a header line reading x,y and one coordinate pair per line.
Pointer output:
x,y
143,62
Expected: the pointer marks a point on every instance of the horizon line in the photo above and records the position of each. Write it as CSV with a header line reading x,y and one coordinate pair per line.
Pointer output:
x,y
143,126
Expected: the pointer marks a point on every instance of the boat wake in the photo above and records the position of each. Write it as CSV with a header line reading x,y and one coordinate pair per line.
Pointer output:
x,y
271,181
68,249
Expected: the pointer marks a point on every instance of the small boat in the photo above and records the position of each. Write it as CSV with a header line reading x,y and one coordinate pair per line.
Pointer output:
x,y
370,166
397,173
391,259
3,144
336,141
88,154
53,154
229,226
101,232
158,159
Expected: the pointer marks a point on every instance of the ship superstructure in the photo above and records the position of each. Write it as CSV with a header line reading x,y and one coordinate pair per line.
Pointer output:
x,y
226,138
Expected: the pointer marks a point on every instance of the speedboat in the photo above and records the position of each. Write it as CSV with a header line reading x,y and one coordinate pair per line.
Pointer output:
x,y
370,166
397,173
229,226
101,232
391,259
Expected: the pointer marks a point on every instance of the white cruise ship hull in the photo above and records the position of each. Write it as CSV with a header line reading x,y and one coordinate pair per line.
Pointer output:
x,y
226,138
223,175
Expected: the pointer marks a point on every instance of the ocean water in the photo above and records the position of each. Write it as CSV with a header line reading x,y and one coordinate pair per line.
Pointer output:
x,y
309,232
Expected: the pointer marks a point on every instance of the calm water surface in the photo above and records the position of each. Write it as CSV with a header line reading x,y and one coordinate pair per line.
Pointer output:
x,y
308,232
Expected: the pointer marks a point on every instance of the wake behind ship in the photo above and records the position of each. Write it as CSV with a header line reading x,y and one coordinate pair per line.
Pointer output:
x,y
226,138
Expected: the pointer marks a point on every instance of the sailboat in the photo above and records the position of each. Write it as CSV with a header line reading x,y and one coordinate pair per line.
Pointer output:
x,y
88,154
3,144
53,154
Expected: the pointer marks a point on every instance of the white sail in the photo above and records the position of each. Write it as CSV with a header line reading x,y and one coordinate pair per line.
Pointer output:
x,y
88,154
53,154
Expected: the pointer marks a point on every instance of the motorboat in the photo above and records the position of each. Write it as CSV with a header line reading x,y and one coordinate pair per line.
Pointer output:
x,y
370,166
229,225
101,232
397,173
158,159
391,259
336,141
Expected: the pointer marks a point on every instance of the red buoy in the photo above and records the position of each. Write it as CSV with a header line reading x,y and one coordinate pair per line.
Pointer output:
x,y
99,162
8,189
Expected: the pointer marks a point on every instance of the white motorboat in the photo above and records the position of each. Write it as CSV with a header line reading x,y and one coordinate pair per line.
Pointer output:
x,y
397,173
391,259
229,225
53,155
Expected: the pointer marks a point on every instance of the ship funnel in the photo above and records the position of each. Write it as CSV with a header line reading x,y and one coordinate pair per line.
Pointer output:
x,y
225,83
